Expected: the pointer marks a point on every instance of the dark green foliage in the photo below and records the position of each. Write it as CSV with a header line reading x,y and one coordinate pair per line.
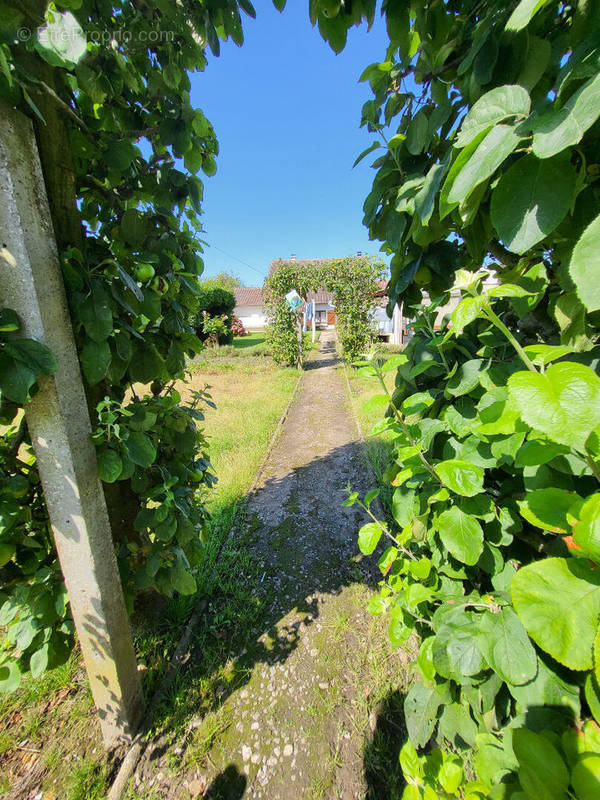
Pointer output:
x,y
487,121
215,301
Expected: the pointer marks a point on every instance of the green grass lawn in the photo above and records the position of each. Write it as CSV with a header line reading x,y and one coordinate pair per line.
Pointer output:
x,y
250,395
251,340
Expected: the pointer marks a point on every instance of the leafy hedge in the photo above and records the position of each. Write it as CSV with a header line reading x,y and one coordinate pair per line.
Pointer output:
x,y
127,225
491,161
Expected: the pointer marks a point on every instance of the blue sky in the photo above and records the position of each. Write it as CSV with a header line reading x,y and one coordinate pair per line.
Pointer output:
x,y
286,111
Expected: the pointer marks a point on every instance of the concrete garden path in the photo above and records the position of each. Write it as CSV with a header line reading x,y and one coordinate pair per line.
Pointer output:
x,y
319,664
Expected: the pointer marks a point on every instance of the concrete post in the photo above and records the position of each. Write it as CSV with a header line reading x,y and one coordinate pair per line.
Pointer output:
x,y
314,321
397,323
59,424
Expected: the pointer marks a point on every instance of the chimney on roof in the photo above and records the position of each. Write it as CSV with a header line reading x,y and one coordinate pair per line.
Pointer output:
x,y
293,257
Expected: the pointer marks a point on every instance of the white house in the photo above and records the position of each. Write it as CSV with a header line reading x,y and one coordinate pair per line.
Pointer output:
x,y
249,307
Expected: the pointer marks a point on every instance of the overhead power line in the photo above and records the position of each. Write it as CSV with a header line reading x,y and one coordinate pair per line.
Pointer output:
x,y
245,263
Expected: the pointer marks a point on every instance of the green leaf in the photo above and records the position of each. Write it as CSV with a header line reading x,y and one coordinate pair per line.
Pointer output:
x,y
539,52
147,364
193,159
460,476
368,537
461,534
10,677
38,663
546,689
110,465
96,317
410,763
565,126
366,152
466,312
535,452
493,107
34,355
523,14
425,658
141,449
95,360
398,631
508,290
585,777
506,647
587,529
133,227
547,508
9,321
120,155
62,41
456,651
563,403
425,199
531,200
417,135
420,712
15,379
489,154
542,772
184,582
587,279
542,354
457,721
466,378
378,402
394,362
493,758
7,551
558,602
402,505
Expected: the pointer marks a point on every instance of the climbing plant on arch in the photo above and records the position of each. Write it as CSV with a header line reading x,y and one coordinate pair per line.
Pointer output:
x,y
353,283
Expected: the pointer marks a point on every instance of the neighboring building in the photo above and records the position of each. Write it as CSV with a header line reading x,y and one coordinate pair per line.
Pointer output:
x,y
249,307
251,310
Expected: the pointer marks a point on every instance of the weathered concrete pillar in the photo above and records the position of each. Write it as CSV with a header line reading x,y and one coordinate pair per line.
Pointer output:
x,y
59,424
397,324
314,321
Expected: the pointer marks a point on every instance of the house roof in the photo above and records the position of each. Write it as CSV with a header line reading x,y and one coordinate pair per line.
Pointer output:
x,y
320,296
248,296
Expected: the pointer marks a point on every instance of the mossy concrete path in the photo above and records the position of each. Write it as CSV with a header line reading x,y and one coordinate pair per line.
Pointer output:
x,y
317,665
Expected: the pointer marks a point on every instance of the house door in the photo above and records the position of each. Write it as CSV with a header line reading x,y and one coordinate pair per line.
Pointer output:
x,y
330,316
